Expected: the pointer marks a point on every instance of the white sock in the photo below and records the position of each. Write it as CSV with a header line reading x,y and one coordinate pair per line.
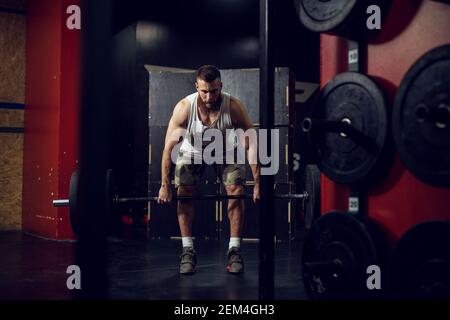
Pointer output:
x,y
187,242
234,242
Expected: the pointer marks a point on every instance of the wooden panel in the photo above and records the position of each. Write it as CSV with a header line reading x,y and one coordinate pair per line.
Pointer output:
x,y
12,90
11,153
11,118
12,55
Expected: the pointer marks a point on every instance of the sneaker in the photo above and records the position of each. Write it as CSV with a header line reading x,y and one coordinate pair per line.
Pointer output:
x,y
188,260
235,261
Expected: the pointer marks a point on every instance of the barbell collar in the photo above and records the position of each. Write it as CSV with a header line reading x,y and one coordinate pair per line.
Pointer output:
x,y
61,203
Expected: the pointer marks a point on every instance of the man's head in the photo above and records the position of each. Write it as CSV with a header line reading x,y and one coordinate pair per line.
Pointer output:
x,y
209,85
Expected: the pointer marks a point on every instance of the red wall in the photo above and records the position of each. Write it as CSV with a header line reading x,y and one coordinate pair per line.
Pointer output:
x,y
51,117
410,30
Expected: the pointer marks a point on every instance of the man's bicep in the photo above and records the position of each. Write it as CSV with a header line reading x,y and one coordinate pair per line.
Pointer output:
x,y
175,132
242,118
242,121
180,114
177,124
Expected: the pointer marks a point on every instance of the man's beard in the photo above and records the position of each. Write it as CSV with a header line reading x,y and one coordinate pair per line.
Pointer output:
x,y
215,104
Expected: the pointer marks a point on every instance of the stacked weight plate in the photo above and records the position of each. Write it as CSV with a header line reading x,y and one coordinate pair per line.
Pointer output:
x,y
420,262
348,134
348,130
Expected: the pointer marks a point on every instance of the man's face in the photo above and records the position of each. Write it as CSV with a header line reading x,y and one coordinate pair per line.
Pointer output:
x,y
209,92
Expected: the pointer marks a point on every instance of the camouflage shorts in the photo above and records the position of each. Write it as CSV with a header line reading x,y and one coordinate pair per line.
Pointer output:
x,y
190,174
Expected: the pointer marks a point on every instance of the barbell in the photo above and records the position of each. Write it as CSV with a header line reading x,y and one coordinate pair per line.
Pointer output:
x,y
113,199
116,199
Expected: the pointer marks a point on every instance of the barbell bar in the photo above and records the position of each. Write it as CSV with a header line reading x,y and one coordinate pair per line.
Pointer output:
x,y
310,200
116,199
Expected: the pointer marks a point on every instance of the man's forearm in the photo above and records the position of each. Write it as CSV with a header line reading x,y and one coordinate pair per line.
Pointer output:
x,y
255,172
253,160
165,167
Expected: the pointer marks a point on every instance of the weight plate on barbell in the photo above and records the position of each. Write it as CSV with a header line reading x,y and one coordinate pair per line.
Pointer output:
x,y
421,118
357,100
346,18
337,251
110,191
420,264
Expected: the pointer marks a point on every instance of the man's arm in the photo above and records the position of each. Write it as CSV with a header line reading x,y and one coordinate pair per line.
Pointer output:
x,y
177,123
241,120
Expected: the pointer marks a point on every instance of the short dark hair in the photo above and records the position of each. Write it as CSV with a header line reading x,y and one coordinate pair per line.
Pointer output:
x,y
208,73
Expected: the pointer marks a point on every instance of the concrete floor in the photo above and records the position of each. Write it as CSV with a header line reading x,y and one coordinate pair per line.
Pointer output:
x,y
139,268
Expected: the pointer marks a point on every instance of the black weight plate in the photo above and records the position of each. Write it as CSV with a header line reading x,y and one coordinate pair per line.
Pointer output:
x,y
311,207
420,264
355,97
75,219
421,125
341,17
338,236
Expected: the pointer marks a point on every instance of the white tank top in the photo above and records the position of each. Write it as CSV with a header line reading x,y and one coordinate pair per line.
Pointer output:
x,y
190,151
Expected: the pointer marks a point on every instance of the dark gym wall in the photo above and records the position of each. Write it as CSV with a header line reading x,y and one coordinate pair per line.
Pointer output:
x,y
186,35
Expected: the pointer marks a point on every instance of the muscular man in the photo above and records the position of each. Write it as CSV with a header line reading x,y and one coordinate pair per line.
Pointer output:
x,y
207,108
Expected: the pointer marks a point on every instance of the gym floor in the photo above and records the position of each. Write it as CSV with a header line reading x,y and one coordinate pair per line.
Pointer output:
x,y
140,268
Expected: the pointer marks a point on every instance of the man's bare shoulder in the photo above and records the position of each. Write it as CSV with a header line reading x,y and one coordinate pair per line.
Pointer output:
x,y
181,111
235,101
236,105
182,105
239,114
